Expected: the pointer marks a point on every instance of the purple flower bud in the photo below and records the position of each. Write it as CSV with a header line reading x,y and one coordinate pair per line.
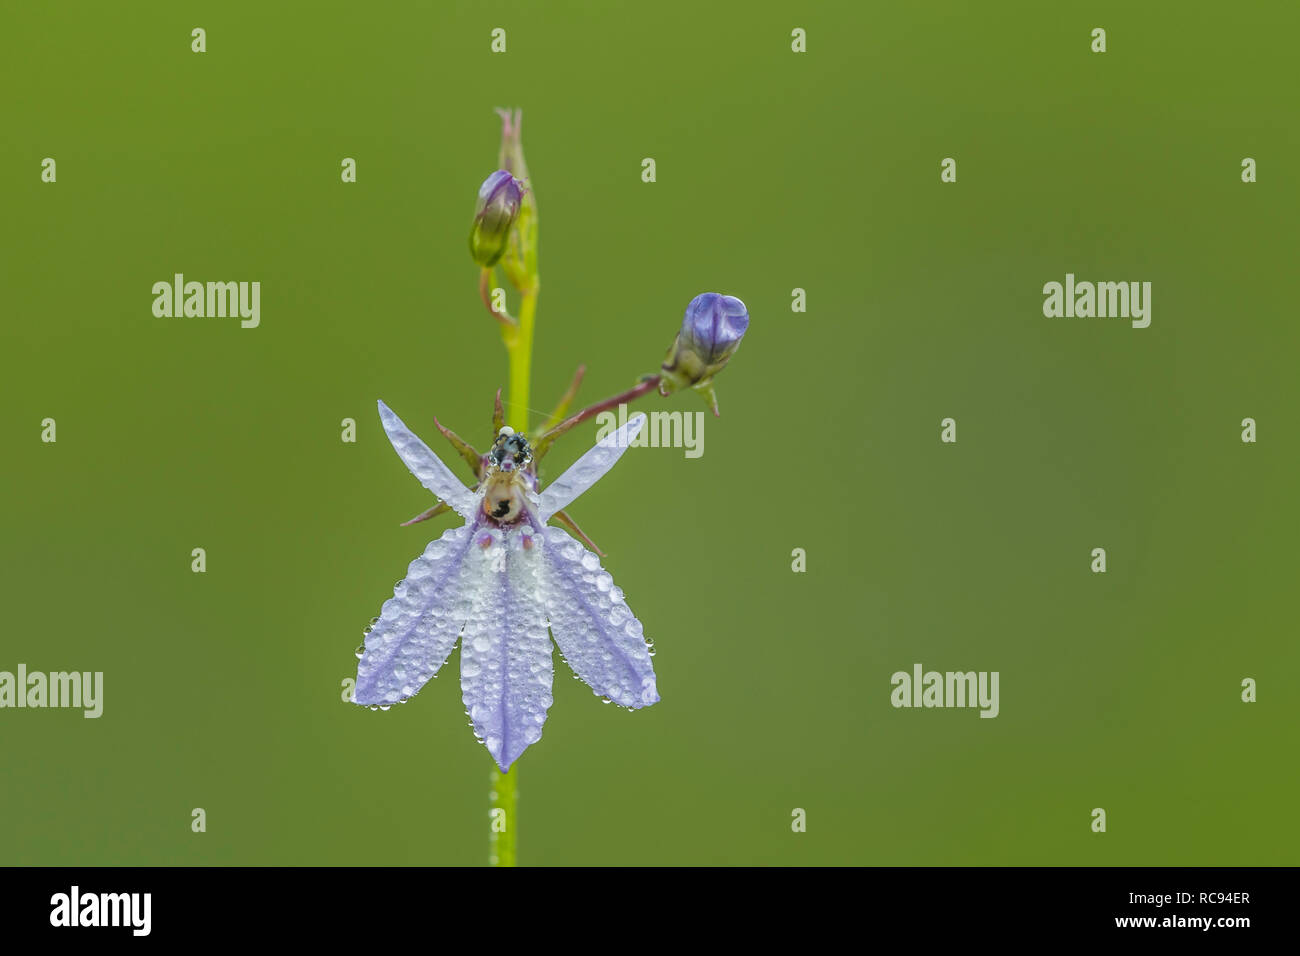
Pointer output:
x,y
710,334
714,326
499,199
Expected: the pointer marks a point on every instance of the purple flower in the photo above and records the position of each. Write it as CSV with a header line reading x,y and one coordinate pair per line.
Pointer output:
x,y
711,332
497,583
499,199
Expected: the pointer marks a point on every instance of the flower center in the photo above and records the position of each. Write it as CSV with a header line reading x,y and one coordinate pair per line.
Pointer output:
x,y
503,498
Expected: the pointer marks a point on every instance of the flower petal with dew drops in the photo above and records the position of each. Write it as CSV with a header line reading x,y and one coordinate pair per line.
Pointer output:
x,y
588,469
505,656
597,633
426,466
418,625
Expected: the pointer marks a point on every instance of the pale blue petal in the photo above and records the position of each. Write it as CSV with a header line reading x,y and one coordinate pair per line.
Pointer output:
x,y
418,625
596,631
588,469
426,466
505,657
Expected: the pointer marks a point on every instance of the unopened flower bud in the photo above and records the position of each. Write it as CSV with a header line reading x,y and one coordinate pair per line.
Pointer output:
x,y
710,334
499,199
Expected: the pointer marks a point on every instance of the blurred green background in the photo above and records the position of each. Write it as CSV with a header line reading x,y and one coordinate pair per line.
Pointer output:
x,y
775,170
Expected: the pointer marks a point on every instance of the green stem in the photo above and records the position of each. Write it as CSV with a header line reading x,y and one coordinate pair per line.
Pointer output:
x,y
519,347
501,833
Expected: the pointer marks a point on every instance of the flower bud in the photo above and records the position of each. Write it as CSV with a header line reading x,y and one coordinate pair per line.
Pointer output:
x,y
710,334
499,199
520,260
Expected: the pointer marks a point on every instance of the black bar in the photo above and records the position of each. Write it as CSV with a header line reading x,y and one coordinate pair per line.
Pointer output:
x,y
1147,905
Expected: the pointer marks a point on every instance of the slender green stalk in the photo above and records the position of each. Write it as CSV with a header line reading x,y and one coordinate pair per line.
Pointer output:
x,y
504,794
519,347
